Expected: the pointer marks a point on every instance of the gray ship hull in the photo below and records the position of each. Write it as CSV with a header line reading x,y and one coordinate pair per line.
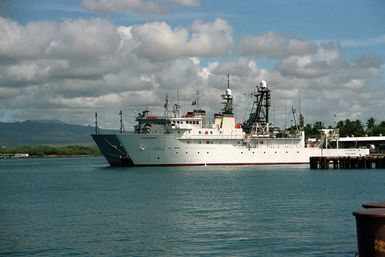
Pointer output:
x,y
111,149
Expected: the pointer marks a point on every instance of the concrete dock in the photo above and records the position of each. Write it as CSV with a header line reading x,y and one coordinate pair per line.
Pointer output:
x,y
372,161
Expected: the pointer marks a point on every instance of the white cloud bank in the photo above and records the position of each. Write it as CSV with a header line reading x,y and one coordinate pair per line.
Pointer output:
x,y
70,69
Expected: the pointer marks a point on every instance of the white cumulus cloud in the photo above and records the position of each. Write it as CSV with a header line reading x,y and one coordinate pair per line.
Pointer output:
x,y
274,45
72,68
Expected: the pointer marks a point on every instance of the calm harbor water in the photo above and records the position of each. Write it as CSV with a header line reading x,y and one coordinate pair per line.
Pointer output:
x,y
81,207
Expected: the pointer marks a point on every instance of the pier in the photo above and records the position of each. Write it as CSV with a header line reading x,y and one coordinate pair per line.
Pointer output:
x,y
372,161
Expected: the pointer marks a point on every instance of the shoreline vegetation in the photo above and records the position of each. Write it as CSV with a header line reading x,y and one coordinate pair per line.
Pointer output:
x,y
48,151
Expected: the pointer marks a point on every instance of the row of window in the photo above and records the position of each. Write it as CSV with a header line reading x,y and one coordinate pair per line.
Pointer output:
x,y
206,132
241,153
210,142
194,122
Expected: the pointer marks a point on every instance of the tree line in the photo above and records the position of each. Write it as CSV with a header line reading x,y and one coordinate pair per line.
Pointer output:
x,y
40,151
349,128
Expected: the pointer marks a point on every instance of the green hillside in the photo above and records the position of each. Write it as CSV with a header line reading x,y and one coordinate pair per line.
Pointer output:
x,y
33,133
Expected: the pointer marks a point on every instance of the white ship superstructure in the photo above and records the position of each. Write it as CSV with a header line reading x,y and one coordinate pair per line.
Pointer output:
x,y
172,139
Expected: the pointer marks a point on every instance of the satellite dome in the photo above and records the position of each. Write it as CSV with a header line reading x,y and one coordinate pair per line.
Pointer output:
x,y
263,84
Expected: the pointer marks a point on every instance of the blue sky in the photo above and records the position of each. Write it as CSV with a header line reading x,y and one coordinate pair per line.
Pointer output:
x,y
330,51
316,20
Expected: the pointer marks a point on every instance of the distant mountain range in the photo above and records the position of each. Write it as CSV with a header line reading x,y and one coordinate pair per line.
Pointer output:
x,y
45,132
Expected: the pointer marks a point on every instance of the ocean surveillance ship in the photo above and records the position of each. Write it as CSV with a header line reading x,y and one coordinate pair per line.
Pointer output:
x,y
186,140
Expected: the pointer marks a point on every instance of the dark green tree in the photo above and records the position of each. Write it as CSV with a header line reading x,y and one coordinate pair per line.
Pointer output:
x,y
370,125
379,129
350,128
314,130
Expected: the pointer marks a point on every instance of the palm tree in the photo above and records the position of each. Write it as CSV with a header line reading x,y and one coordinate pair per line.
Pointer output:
x,y
370,125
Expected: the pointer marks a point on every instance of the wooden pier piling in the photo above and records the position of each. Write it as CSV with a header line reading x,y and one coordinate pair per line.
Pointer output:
x,y
339,162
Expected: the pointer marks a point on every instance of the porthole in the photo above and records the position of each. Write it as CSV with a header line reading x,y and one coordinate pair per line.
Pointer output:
x,y
158,158
207,152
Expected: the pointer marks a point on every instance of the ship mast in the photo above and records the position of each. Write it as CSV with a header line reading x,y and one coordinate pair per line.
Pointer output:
x,y
121,130
96,123
258,121
228,98
176,107
197,100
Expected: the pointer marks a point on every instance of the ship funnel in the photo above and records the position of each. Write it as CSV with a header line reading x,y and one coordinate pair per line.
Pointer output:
x,y
263,84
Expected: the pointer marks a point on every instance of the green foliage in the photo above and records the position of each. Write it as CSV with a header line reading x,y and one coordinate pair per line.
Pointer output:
x,y
43,150
350,128
313,131
375,129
